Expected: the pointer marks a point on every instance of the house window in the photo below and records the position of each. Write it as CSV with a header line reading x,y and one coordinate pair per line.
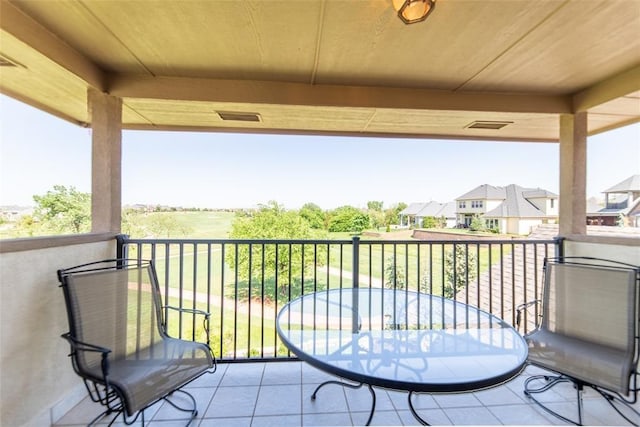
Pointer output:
x,y
462,205
477,203
492,223
553,202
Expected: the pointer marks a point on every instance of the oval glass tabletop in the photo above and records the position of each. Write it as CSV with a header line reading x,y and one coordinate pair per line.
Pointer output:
x,y
402,340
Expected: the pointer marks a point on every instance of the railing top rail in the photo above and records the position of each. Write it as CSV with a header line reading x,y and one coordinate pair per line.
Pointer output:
x,y
341,241
238,241
461,242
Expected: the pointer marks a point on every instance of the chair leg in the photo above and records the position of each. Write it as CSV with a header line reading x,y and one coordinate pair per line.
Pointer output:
x,y
612,399
193,410
549,382
579,392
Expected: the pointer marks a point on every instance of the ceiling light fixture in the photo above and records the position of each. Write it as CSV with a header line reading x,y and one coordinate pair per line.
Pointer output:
x,y
412,11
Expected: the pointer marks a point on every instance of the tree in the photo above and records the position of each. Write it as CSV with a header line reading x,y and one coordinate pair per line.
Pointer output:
x,y
394,274
349,219
460,267
477,223
64,210
26,226
392,215
272,221
375,205
314,215
165,224
131,223
429,222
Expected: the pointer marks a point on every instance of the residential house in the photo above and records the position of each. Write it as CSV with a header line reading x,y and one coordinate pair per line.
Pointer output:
x,y
622,205
414,214
511,209
408,215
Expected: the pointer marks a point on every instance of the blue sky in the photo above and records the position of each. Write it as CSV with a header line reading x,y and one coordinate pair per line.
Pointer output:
x,y
219,170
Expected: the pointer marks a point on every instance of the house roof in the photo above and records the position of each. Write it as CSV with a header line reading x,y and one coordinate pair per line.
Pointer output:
x,y
515,205
631,184
496,70
593,206
448,210
412,209
539,193
436,209
484,192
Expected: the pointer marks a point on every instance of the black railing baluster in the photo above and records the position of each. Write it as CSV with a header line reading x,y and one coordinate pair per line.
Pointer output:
x,y
181,285
502,281
235,303
249,298
262,278
222,271
490,277
194,301
355,264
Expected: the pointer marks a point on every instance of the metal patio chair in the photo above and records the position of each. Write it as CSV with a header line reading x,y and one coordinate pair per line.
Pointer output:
x,y
587,332
119,341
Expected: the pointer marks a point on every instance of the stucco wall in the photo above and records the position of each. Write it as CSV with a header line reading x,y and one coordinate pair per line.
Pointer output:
x,y
629,253
35,371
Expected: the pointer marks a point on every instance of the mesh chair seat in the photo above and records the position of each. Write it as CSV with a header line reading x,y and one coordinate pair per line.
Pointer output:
x,y
592,363
142,381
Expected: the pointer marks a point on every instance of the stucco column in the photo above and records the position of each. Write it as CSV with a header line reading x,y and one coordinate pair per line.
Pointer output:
x,y
105,114
573,174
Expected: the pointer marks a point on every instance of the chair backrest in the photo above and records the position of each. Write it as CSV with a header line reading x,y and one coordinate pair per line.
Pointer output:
x,y
115,305
595,301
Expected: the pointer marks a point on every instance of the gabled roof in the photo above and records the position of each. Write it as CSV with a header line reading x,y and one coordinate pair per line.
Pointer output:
x,y
538,193
436,209
516,205
412,209
630,184
593,206
448,210
484,192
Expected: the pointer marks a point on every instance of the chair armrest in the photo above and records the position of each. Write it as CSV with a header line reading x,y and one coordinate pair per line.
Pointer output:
x,y
205,322
522,307
77,345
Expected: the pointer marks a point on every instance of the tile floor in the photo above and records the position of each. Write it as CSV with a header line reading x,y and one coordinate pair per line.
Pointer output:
x,y
278,394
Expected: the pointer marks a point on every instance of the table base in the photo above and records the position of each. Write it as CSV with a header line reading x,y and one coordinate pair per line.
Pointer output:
x,y
373,396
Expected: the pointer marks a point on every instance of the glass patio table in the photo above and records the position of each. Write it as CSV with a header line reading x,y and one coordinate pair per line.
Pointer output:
x,y
401,340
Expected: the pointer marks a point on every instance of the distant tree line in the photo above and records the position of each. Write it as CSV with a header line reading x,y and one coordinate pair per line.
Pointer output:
x,y
65,210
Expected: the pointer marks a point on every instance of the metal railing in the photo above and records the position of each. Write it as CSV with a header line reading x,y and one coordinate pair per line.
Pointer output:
x,y
244,283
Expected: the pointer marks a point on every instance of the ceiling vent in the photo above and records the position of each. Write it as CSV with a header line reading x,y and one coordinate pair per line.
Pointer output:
x,y
239,117
487,124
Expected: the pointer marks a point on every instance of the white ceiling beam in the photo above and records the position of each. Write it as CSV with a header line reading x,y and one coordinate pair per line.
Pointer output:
x,y
281,93
39,38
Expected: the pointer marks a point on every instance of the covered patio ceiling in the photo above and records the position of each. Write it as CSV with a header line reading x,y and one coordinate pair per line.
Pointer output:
x,y
343,67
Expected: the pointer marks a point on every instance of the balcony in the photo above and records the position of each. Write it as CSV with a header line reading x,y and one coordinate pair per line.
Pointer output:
x,y
258,382
204,273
